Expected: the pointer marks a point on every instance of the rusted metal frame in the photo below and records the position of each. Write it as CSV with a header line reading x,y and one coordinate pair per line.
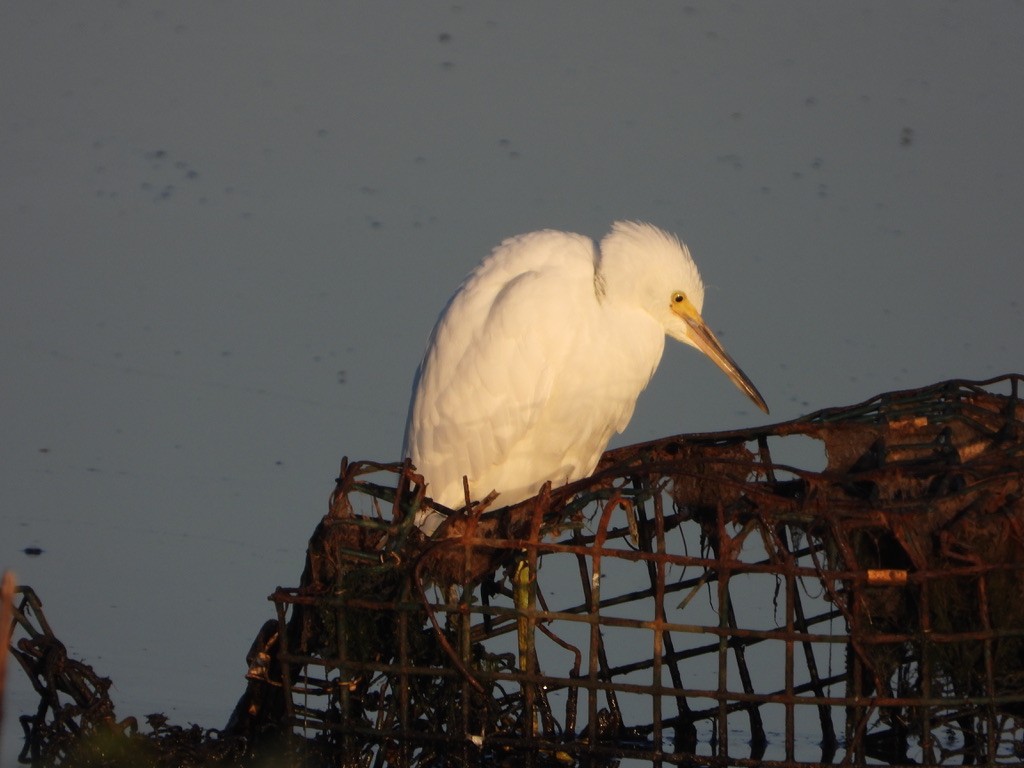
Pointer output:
x,y
31,604
763,566
682,703
610,754
853,609
404,507
346,480
872,410
907,398
283,661
979,385
846,601
776,696
776,547
828,735
442,640
854,515
736,699
738,644
645,459
968,389
981,420
777,551
462,661
988,424
544,704
633,751
619,458
725,549
985,715
662,639
51,673
750,635
618,500
576,652
573,691
780,550
674,468
981,635
292,596
599,753
533,698
403,696
392,741
990,683
355,726
526,616
404,503
722,691
792,598
556,683
307,684
435,738
1003,735
700,581
463,619
340,494
596,491
754,634
573,697
587,584
345,680
393,720
597,663
462,658
659,638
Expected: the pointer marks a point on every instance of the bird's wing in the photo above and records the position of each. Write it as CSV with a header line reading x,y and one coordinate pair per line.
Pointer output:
x,y
495,355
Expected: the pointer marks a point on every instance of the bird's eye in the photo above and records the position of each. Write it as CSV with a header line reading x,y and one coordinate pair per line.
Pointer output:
x,y
678,298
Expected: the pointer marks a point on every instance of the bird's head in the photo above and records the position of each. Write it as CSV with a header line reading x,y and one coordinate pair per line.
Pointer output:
x,y
651,268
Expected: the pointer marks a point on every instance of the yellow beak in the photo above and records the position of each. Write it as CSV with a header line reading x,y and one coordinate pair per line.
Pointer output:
x,y
705,340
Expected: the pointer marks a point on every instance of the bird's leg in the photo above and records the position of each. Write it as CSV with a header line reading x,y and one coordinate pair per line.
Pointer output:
x,y
631,521
524,597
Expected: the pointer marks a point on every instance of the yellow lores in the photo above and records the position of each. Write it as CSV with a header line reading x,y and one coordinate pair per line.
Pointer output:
x,y
541,354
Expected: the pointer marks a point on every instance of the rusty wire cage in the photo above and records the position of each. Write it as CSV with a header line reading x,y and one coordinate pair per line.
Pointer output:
x,y
840,589
698,601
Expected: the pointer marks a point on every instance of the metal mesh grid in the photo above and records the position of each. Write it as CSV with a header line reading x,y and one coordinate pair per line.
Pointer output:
x,y
695,602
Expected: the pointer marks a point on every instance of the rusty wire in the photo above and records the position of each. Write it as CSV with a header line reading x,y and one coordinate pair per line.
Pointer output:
x,y
75,724
725,609
695,602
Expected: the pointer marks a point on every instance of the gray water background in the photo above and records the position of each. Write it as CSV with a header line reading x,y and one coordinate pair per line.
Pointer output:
x,y
226,230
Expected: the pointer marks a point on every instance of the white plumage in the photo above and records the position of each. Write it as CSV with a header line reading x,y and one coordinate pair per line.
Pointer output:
x,y
540,356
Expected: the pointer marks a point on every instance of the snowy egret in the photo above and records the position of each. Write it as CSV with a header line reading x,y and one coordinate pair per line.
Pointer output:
x,y
540,356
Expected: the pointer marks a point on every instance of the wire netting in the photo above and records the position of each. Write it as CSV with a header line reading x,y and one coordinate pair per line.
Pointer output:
x,y
696,601
844,588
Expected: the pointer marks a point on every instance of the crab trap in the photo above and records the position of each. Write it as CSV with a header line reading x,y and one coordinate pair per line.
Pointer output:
x,y
695,602
845,588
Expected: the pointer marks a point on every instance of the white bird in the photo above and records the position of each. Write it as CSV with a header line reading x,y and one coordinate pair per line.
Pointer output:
x,y
540,356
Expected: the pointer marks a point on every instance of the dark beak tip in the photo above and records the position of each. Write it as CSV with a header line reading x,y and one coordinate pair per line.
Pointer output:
x,y
755,396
